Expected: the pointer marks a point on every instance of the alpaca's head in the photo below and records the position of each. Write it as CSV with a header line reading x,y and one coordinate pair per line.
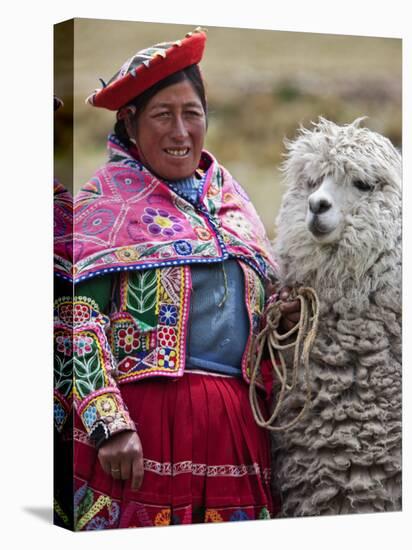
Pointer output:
x,y
343,194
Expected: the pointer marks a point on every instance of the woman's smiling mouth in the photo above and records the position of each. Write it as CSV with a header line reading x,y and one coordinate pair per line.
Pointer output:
x,y
177,152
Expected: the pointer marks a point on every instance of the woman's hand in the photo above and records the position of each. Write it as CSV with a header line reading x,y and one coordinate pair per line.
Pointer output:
x,y
290,310
121,457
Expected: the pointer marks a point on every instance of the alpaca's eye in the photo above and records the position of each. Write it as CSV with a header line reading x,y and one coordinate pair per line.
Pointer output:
x,y
362,185
313,183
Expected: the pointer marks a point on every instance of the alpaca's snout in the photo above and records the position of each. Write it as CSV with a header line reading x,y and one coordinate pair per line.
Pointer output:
x,y
323,218
319,205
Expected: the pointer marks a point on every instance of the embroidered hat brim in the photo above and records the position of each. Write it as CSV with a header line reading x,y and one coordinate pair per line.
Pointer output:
x,y
147,67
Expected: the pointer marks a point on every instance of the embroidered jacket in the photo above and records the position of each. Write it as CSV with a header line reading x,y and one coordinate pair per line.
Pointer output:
x,y
127,220
63,248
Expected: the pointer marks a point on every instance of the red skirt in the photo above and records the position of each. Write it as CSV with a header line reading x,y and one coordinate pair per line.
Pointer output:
x,y
205,459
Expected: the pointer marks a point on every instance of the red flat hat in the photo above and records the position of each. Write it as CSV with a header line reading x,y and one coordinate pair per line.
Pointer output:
x,y
148,67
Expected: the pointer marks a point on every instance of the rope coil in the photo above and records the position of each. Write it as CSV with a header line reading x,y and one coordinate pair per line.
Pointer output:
x,y
305,331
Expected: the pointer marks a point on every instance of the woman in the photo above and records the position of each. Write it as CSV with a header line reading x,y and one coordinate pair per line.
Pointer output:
x,y
171,260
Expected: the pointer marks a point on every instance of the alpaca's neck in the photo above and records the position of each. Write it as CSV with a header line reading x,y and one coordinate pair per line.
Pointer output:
x,y
337,269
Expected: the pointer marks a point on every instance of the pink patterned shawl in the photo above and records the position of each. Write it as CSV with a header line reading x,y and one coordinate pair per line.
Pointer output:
x,y
127,218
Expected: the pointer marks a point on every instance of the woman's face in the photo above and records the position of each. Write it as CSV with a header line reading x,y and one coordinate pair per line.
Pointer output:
x,y
170,132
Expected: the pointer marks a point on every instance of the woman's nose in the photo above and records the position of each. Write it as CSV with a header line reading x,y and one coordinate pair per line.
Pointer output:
x,y
179,129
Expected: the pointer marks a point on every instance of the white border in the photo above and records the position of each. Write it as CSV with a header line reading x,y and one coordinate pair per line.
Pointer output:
x,y
26,174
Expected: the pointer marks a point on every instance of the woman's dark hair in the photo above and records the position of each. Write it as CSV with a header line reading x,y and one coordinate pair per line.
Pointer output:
x,y
191,73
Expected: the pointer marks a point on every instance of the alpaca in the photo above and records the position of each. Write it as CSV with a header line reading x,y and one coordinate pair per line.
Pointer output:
x,y
339,231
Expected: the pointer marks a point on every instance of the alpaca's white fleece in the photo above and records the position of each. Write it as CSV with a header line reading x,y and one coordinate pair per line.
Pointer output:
x,y
345,455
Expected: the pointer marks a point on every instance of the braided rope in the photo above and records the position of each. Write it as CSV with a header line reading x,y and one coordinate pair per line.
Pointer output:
x,y
305,331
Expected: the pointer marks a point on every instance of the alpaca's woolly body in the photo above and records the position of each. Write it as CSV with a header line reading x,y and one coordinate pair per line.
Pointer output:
x,y
345,454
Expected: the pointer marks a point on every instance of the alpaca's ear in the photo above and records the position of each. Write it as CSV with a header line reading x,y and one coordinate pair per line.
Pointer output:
x,y
322,121
357,122
385,184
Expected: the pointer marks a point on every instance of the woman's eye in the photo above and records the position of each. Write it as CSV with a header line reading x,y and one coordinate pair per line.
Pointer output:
x,y
362,185
162,114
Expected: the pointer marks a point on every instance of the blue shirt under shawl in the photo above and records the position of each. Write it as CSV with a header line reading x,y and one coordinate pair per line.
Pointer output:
x,y
218,321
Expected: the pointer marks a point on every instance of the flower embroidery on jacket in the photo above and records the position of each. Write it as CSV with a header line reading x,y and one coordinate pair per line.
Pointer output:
x,y
168,314
90,416
82,345
66,312
81,313
167,337
161,222
106,406
128,339
59,414
64,344
167,358
116,422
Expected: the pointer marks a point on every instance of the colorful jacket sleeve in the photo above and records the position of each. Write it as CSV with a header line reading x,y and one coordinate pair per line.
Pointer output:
x,y
63,363
96,396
